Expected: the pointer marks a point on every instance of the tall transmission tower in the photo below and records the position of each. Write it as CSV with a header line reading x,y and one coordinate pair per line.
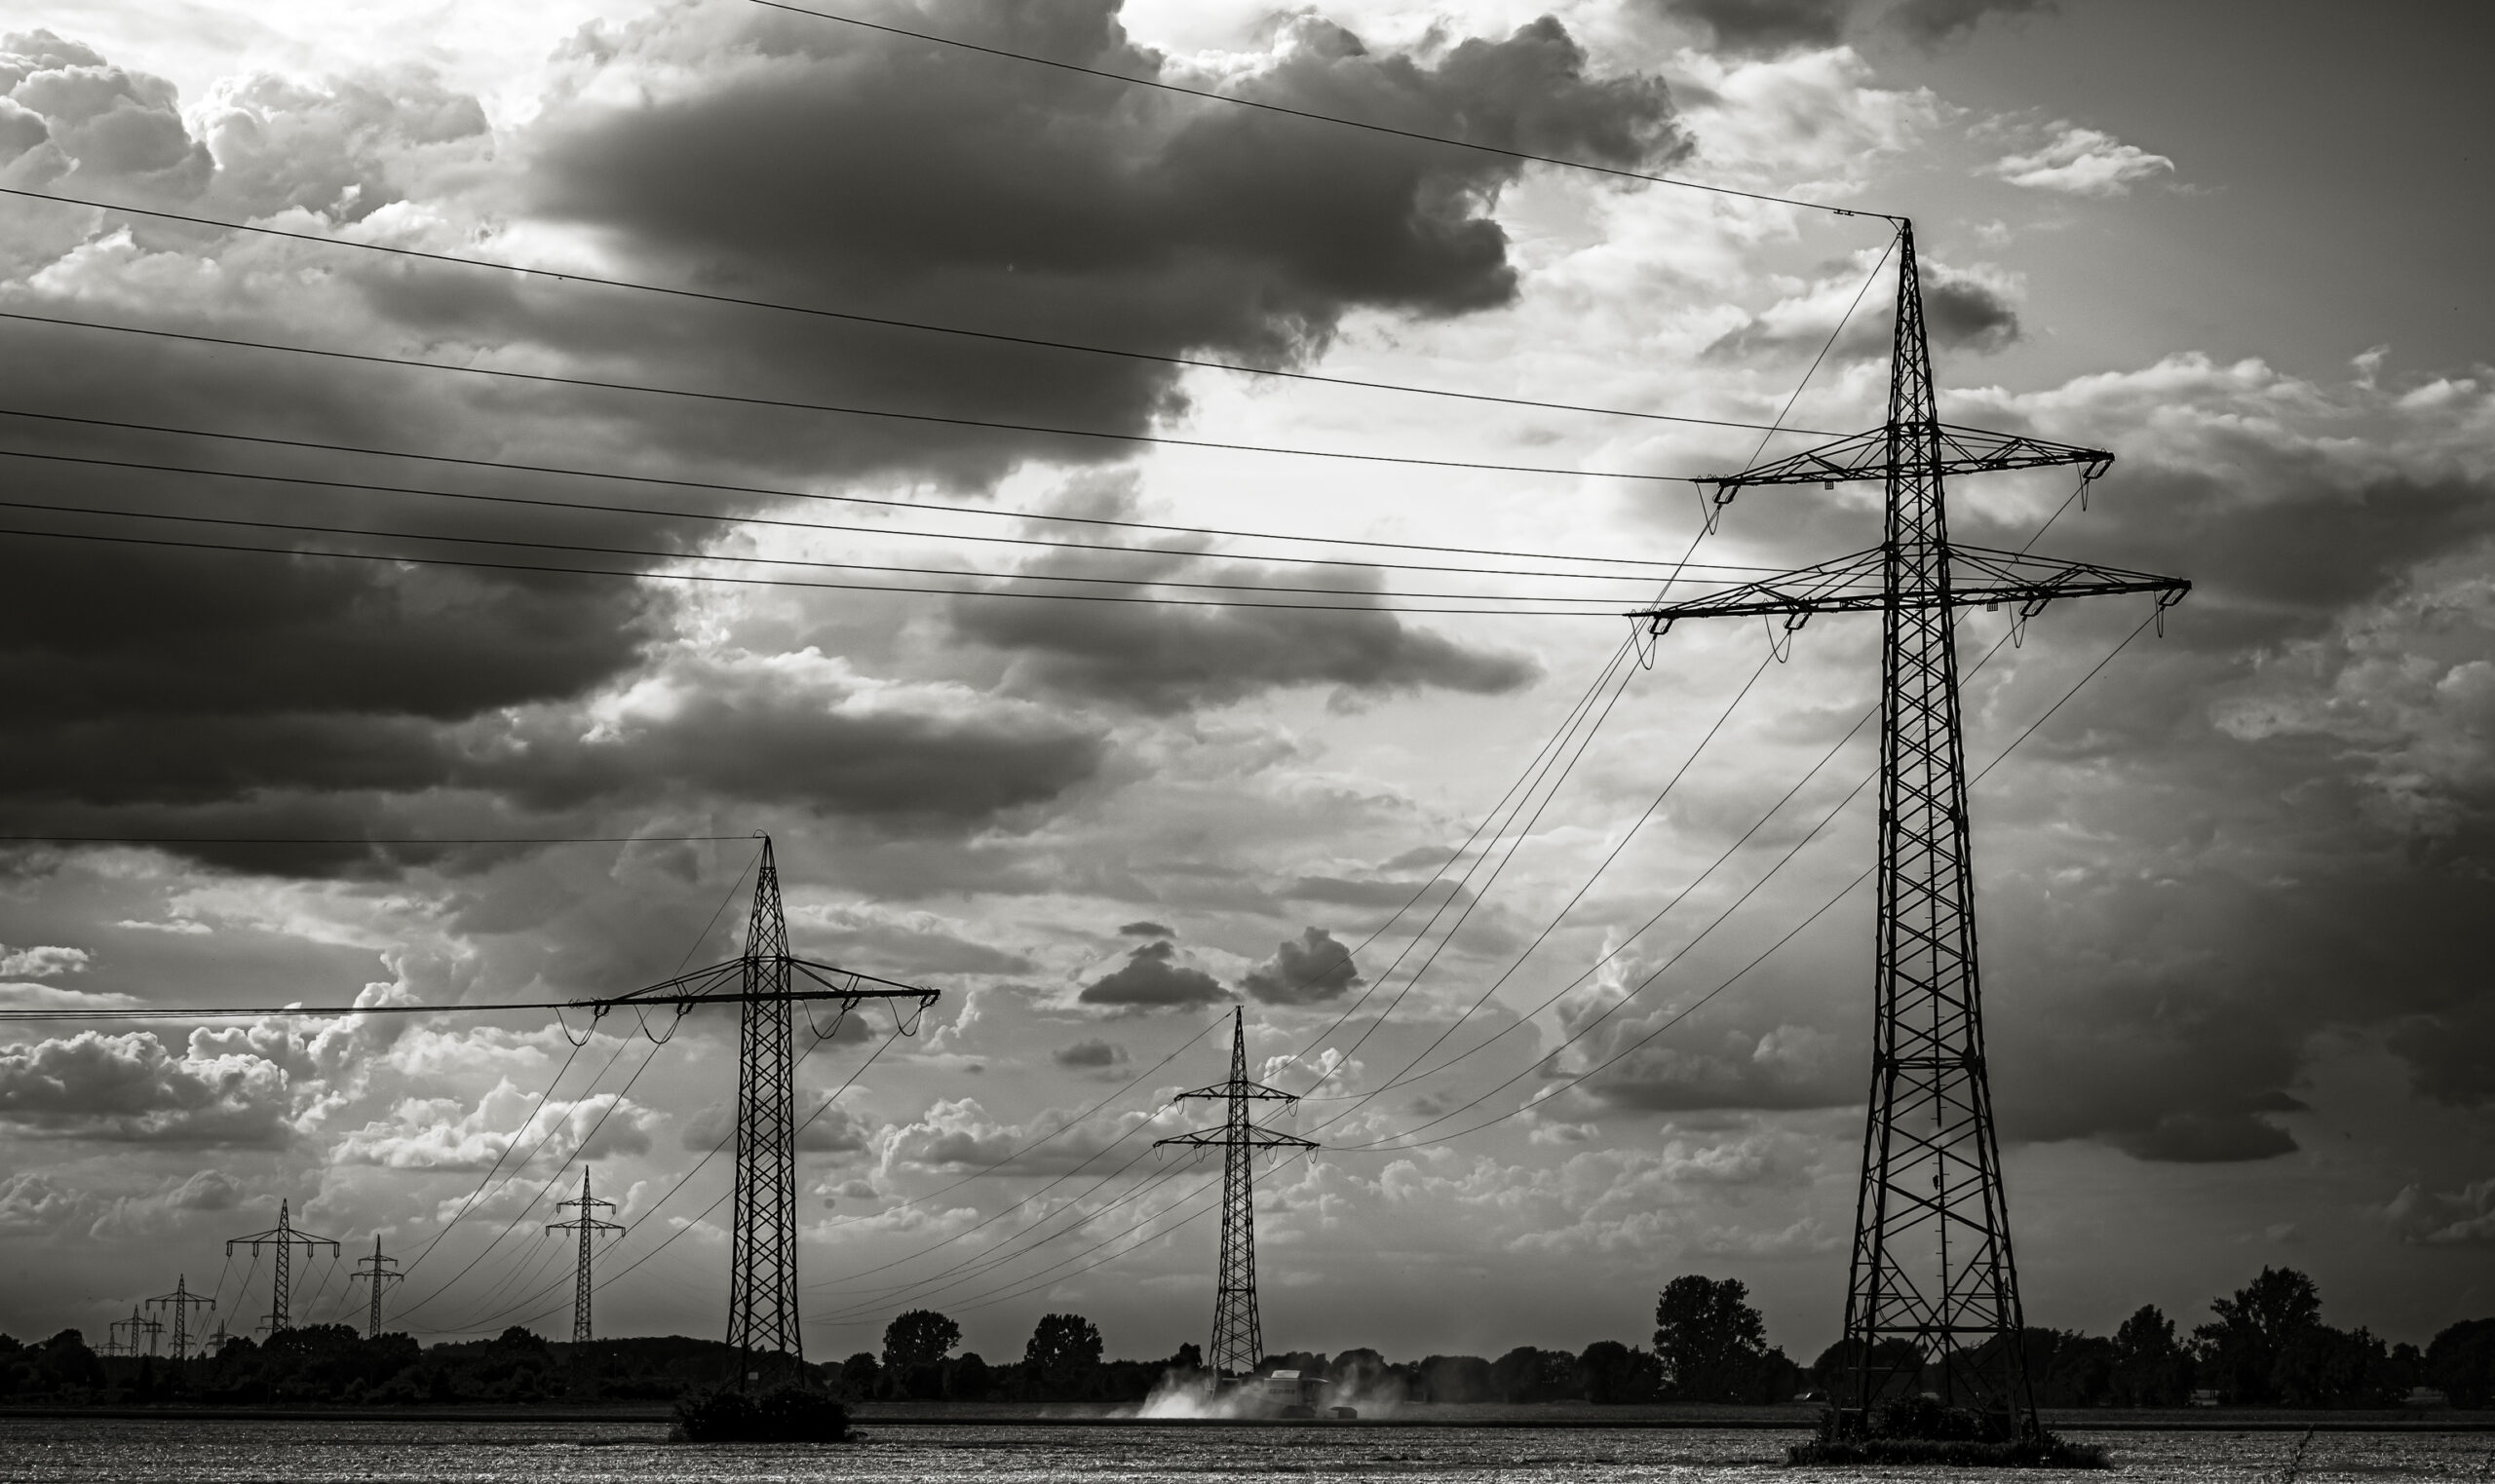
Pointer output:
x,y
1931,1262
769,982
376,1269
180,1303
122,1336
1238,1336
588,1227
284,1239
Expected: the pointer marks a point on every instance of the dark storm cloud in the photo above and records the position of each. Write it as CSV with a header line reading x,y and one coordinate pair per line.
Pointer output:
x,y
1308,970
1939,20
1168,660
938,185
1768,25
1152,978
249,694
1962,310
1145,930
1091,1056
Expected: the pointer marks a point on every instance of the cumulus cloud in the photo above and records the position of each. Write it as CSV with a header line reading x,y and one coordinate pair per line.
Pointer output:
x,y
2083,162
131,1088
1308,970
41,963
1153,979
957,1134
2444,1218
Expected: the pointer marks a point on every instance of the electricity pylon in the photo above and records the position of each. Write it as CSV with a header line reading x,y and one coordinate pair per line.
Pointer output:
x,y
589,1226
1931,1262
376,1269
284,1239
180,1302
764,980
1238,1337
121,1336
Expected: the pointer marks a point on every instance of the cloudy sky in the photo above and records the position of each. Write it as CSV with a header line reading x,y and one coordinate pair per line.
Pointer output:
x,y
2231,890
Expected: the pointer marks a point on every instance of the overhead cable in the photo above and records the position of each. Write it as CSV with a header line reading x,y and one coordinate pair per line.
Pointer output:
x,y
789,404
570,275
721,518
988,512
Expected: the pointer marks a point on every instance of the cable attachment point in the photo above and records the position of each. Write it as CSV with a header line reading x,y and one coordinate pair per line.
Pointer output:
x,y
1643,637
1780,637
838,1021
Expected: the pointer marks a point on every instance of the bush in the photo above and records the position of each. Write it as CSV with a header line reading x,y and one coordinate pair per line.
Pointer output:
x,y
789,1414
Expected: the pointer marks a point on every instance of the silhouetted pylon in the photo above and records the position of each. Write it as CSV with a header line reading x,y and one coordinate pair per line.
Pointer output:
x,y
1238,1334
590,1227
284,1239
1931,1262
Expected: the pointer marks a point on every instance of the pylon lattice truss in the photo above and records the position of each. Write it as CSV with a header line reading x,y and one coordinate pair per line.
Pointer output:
x,y
590,1227
375,1270
284,1239
768,982
180,1302
1238,1335
1932,1263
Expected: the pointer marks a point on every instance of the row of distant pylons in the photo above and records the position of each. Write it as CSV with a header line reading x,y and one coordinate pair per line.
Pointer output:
x,y
142,1333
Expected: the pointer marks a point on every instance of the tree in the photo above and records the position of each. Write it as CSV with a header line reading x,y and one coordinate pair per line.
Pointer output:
x,y
2151,1367
919,1338
2460,1362
2242,1348
1612,1374
1063,1351
859,1375
1708,1339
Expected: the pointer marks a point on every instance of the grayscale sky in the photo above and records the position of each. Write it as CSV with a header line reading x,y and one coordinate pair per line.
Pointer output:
x,y
2234,890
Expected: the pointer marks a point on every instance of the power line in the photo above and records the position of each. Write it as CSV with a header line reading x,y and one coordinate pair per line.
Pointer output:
x,y
723,519
548,378
1313,117
1392,1142
567,276
1607,605
986,511
364,840
717,580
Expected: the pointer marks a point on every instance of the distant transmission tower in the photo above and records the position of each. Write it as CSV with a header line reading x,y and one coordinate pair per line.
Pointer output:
x,y
284,1239
764,980
122,1336
589,1226
376,1269
1238,1337
1931,1259
179,1301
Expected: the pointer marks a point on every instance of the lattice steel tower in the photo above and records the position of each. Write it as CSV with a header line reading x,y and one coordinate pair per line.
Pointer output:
x,y
374,1269
284,1239
1932,1260
1238,1337
179,1301
762,1287
587,1224
764,980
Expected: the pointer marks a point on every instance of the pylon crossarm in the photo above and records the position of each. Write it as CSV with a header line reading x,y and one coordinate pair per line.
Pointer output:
x,y
1256,1091
1253,1137
1979,577
1866,455
723,984
1845,585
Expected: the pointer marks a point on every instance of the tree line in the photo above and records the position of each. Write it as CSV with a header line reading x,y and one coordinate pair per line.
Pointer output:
x,y
2264,1344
